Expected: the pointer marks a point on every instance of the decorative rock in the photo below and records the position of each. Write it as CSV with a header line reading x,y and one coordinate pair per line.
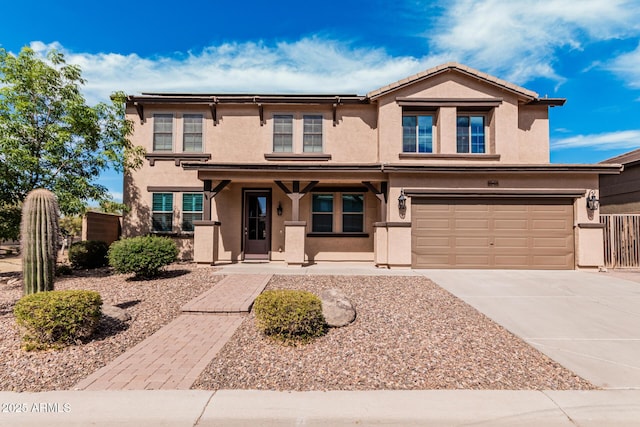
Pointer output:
x,y
337,309
116,313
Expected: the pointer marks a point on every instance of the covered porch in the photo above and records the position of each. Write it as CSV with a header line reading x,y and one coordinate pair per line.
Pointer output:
x,y
296,214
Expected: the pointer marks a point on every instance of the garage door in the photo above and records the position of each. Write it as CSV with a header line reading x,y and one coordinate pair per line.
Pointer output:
x,y
514,234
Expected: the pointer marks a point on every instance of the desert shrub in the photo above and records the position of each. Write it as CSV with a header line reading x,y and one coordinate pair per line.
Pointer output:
x,y
88,254
289,316
144,255
64,270
57,318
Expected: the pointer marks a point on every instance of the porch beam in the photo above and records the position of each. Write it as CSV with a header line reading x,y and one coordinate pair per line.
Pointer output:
x,y
309,186
283,187
381,195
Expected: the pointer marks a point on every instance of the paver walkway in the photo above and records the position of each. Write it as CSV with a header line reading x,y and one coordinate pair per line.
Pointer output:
x,y
174,356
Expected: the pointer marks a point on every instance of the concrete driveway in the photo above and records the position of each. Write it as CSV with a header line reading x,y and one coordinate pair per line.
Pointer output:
x,y
588,322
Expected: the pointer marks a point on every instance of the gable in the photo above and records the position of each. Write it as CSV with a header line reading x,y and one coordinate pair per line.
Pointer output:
x,y
453,80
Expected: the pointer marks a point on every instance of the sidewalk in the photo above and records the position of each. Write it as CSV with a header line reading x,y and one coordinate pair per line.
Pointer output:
x,y
333,408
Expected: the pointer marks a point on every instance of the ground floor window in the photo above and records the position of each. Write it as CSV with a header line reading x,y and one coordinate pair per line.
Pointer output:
x,y
162,212
337,213
191,210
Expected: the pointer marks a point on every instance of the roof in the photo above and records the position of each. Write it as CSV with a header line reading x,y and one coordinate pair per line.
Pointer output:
x,y
526,95
625,158
521,92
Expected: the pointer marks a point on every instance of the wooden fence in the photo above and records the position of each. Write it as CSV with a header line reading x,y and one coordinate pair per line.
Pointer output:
x,y
621,240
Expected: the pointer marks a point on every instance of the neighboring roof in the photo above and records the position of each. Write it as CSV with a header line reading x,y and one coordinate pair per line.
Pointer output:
x,y
625,158
521,92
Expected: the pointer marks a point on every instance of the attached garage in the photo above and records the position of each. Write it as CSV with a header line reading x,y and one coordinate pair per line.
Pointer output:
x,y
526,233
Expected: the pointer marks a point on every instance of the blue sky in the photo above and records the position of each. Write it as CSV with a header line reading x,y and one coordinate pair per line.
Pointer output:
x,y
587,52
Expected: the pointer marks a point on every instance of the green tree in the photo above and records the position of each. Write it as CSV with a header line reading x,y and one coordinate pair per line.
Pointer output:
x,y
9,221
50,138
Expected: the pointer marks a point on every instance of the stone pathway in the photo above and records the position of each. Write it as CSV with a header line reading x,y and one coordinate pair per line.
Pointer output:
x,y
174,356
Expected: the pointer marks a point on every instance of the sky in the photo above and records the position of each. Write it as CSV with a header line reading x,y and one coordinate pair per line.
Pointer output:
x,y
586,51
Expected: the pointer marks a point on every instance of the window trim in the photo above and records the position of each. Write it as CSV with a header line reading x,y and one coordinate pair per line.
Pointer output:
x,y
185,133
153,138
485,119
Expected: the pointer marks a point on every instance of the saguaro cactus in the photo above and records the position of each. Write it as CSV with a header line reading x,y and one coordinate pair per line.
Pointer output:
x,y
39,234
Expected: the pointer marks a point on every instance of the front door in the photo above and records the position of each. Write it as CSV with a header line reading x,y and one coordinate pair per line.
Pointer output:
x,y
257,224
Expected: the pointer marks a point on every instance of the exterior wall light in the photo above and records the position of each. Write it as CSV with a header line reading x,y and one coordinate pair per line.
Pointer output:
x,y
402,201
592,202
279,209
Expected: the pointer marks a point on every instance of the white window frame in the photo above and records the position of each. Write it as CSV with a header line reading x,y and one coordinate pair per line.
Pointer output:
x,y
171,133
293,132
304,133
485,119
417,114
184,132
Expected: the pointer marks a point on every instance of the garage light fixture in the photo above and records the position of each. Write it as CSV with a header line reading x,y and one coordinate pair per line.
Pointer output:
x,y
402,200
592,202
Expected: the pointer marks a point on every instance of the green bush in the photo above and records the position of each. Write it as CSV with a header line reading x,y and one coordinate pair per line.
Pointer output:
x,y
144,255
289,316
64,270
57,318
88,254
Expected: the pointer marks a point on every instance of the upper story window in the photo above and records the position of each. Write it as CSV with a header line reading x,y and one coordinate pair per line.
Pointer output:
x,y
192,133
282,133
417,133
162,212
191,210
162,132
312,134
470,134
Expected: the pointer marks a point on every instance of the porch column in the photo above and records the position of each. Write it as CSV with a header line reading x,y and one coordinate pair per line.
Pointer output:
x,y
205,242
294,242
381,244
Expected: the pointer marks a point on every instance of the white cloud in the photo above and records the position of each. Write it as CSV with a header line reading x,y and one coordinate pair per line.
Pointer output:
x,y
627,139
310,65
519,41
627,66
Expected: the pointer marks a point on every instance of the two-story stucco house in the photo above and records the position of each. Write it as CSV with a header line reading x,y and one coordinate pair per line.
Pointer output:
x,y
448,168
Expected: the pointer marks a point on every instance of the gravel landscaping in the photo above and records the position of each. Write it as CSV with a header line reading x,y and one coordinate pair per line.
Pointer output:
x,y
408,334
151,304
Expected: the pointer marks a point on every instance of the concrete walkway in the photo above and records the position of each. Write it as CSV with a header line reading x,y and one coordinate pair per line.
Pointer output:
x,y
174,357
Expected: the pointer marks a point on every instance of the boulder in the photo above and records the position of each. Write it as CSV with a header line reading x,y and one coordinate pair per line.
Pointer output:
x,y
115,313
337,309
